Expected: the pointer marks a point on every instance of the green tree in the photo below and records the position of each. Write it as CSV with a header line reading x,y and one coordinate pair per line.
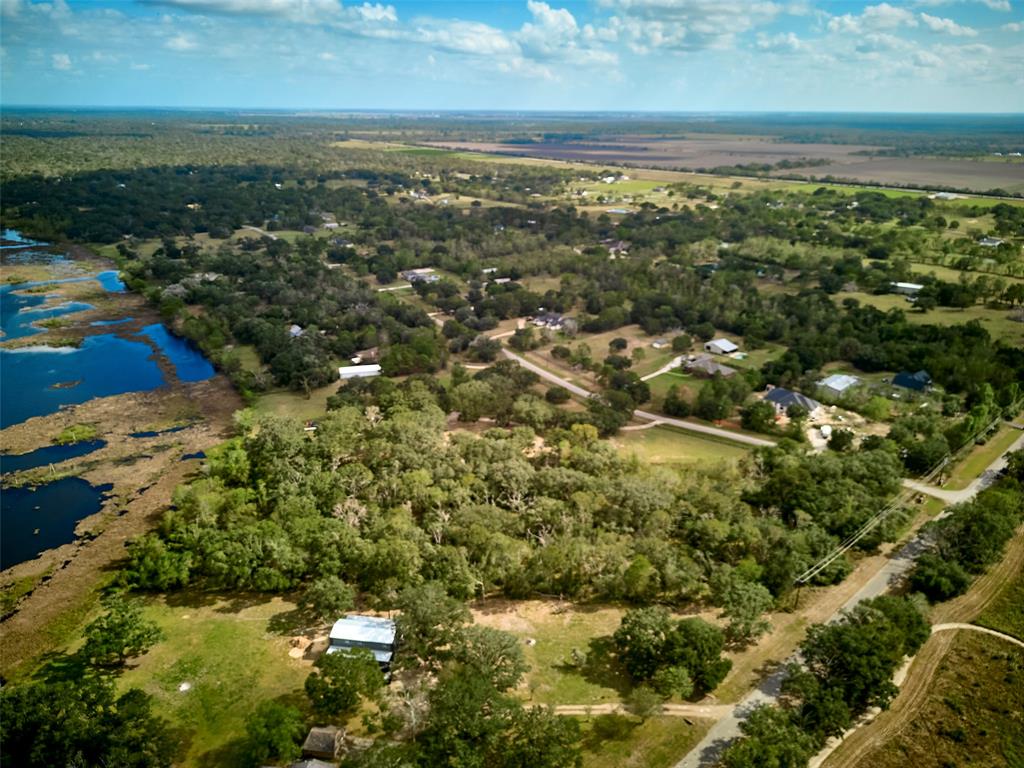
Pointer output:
x,y
274,731
494,655
744,603
759,416
770,740
340,679
644,702
329,597
938,578
430,623
673,681
119,634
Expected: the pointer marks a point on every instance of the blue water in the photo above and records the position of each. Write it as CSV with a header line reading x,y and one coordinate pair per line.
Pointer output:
x,y
52,509
156,433
101,323
110,281
189,363
104,365
16,240
17,313
51,454
196,455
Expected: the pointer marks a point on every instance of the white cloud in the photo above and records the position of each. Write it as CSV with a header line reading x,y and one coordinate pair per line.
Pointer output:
x,y
995,5
139,67
61,61
180,43
784,42
1013,26
948,26
10,8
874,18
470,37
687,25
326,56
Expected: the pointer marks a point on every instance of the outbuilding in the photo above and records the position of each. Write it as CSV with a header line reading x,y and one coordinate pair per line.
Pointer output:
x,y
906,289
375,634
918,382
720,347
323,743
837,384
354,371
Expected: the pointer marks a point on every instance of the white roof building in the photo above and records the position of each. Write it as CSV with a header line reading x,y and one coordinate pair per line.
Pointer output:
x,y
908,289
720,347
352,371
376,635
838,383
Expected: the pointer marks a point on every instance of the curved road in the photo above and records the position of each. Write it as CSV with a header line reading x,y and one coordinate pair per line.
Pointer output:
x,y
726,730
976,628
980,483
576,389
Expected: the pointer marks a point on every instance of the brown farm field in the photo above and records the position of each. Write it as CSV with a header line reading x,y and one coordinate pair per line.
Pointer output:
x,y
696,153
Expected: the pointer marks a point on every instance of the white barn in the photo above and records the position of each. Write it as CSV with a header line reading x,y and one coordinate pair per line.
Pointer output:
x,y
352,371
720,347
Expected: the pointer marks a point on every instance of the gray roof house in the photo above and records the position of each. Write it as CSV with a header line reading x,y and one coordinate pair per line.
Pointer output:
x,y
782,399
377,635
706,365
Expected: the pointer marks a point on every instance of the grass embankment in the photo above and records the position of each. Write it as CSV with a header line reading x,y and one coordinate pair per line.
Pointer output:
x,y
232,658
1005,613
980,456
619,741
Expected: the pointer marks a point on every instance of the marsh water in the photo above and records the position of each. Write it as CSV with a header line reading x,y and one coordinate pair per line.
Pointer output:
x,y
37,380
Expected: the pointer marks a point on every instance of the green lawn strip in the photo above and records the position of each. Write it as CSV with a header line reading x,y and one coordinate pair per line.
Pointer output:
x,y
285,402
1006,612
623,741
980,457
670,445
230,659
76,433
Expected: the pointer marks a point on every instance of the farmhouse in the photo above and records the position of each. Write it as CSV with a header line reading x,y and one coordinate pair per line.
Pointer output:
x,y
990,242
782,399
421,275
374,634
707,366
838,383
354,371
720,347
659,343
918,382
551,320
906,289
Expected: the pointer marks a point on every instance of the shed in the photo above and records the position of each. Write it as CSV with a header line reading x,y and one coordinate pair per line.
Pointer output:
x,y
375,634
323,742
916,381
782,399
353,371
906,289
720,347
660,343
990,242
838,383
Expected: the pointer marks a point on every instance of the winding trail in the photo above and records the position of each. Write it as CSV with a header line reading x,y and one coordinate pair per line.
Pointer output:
x,y
671,365
976,628
705,711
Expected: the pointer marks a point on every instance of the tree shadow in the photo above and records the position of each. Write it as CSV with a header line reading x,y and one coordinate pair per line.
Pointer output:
x,y
607,728
298,621
61,667
229,755
187,598
239,602
601,667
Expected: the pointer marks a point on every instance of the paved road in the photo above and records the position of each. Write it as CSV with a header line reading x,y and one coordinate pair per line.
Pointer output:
x,y
983,481
726,730
576,389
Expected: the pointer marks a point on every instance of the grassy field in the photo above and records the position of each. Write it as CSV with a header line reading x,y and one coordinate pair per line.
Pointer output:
x,y
1006,612
970,714
981,456
672,446
996,321
619,741
295,404
231,658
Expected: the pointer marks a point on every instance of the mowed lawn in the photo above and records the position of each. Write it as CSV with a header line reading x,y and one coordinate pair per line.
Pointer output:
x,y
618,741
981,456
669,445
230,659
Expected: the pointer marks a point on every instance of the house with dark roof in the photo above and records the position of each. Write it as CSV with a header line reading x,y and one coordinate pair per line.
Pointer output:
x,y
918,382
705,365
782,399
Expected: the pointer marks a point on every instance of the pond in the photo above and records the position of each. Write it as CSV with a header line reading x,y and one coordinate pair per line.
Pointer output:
x,y
189,363
50,454
37,519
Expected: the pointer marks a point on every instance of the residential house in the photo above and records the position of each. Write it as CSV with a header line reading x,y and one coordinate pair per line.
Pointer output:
x,y
323,743
660,343
720,347
783,399
918,382
377,635
906,289
354,371
990,242
550,320
838,384
706,365
421,275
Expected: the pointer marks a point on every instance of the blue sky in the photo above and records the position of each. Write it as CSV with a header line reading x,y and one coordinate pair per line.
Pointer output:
x,y
657,55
